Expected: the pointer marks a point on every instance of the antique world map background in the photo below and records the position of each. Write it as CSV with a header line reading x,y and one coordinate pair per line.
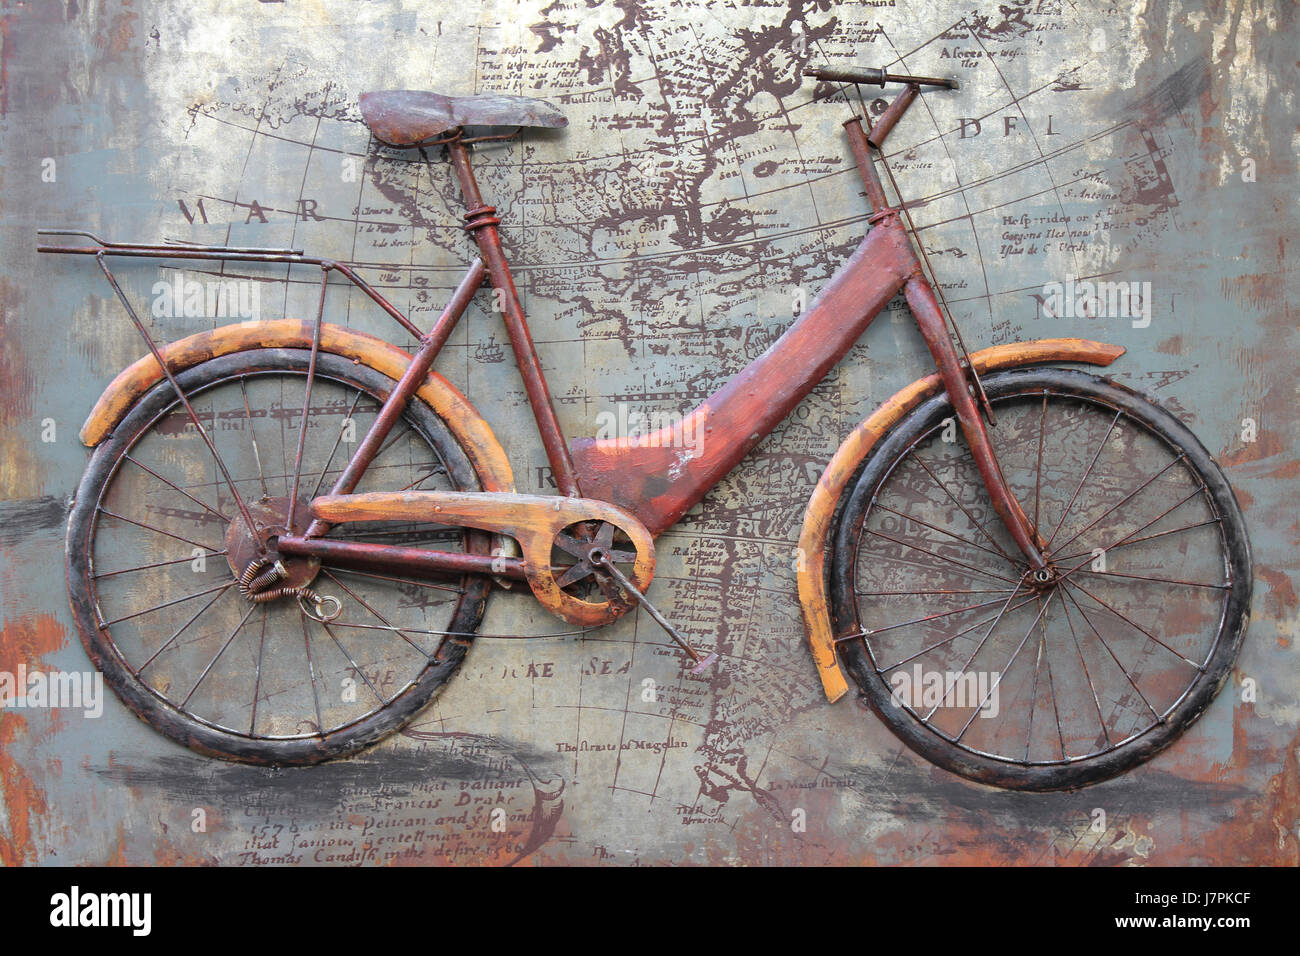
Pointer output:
x,y
655,241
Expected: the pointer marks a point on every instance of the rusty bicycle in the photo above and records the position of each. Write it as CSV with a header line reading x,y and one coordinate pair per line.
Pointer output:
x,y
288,531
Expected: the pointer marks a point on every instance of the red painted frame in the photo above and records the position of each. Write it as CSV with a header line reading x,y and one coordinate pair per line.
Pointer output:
x,y
655,477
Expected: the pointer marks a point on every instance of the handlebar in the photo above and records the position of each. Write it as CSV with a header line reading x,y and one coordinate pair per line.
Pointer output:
x,y
865,74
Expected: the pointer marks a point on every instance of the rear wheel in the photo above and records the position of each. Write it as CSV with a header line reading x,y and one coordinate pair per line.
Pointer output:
x,y
1058,678
158,540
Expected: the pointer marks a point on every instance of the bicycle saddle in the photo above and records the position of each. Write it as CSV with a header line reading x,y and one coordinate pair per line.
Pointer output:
x,y
412,117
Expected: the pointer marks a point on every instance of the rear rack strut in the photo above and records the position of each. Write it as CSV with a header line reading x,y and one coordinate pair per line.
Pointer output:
x,y
188,250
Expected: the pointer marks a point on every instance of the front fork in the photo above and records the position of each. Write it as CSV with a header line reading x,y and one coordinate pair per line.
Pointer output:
x,y
925,309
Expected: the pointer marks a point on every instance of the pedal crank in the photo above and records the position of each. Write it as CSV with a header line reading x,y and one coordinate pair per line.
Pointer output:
x,y
602,559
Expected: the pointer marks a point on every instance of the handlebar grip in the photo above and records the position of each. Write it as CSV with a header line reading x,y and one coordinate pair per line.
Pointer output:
x,y
874,77
850,74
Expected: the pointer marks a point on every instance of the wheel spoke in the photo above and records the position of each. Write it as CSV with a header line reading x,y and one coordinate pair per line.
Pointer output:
x,y
216,657
157,564
916,547
252,435
396,580
1132,623
1056,709
1149,537
176,487
1038,666
337,441
955,537
1131,495
1170,510
953,498
928,592
1083,480
1002,673
383,701
423,478
387,624
1126,493
208,644
311,670
975,653
1096,698
1124,670
1146,577
257,678
181,630
406,430
920,620
167,604
950,638
149,527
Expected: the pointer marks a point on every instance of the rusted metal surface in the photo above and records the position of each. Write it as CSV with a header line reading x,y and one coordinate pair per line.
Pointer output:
x,y
860,147
411,117
876,77
1192,105
1103,714
263,576
893,113
395,558
925,309
102,249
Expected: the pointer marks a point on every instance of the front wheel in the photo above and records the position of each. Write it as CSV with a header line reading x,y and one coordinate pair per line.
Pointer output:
x,y
158,540
1061,677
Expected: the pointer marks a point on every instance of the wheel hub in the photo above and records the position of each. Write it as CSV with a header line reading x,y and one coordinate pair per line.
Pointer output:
x,y
1042,579
245,545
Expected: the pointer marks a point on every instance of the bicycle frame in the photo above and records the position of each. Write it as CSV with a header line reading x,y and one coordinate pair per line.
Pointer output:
x,y
651,477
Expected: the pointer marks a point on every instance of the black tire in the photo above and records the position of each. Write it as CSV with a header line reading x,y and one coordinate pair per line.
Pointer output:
x,y
899,467
153,418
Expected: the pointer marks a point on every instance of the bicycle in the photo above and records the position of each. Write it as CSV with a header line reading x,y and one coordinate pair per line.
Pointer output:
x,y
1008,504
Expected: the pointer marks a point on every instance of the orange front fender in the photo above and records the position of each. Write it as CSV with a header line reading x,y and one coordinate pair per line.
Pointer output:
x,y
813,595
463,420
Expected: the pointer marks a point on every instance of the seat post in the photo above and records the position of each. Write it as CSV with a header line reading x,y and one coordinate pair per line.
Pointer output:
x,y
465,173
481,222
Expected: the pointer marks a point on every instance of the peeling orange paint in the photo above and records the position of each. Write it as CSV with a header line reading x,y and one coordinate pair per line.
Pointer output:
x,y
23,642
